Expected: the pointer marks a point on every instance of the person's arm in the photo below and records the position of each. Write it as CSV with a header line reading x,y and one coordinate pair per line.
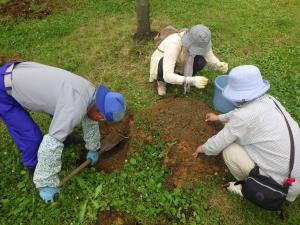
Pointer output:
x,y
224,118
232,131
214,63
91,134
171,53
69,112
49,162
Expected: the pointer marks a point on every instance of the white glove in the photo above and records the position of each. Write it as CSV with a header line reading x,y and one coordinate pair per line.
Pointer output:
x,y
223,67
237,189
197,81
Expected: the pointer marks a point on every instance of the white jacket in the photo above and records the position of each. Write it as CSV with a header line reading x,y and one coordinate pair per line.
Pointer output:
x,y
174,59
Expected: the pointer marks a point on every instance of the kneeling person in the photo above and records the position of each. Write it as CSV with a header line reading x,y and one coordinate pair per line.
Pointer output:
x,y
184,53
255,133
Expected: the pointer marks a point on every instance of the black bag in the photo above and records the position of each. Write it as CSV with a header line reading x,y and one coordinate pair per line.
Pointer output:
x,y
264,191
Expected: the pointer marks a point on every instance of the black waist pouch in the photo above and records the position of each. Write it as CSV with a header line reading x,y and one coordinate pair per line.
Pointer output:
x,y
263,191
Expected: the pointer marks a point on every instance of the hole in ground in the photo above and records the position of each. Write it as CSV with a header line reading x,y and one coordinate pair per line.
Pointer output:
x,y
115,159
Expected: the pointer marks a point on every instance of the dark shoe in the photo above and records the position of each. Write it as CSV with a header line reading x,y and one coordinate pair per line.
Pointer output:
x,y
31,173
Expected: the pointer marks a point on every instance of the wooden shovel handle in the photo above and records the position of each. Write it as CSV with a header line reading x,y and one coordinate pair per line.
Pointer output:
x,y
105,148
75,172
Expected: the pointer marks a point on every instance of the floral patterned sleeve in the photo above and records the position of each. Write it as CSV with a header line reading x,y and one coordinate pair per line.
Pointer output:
x,y
49,162
91,134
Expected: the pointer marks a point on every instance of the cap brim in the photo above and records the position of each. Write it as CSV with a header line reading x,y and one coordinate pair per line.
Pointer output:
x,y
240,96
200,51
102,91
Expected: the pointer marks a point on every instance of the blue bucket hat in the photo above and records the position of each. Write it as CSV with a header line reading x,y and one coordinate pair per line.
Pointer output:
x,y
110,104
245,83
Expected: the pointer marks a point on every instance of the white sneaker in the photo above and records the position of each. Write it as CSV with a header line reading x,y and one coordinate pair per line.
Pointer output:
x,y
237,189
161,88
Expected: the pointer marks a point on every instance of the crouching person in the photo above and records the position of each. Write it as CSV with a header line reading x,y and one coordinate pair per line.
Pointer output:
x,y
256,135
181,55
69,99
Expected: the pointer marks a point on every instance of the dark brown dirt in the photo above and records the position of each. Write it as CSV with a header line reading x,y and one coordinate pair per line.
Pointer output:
x,y
113,218
181,124
115,159
27,9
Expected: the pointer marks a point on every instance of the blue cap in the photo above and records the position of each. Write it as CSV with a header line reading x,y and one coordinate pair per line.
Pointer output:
x,y
110,104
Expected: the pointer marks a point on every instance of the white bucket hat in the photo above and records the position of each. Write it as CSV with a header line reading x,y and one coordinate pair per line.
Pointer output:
x,y
197,40
245,83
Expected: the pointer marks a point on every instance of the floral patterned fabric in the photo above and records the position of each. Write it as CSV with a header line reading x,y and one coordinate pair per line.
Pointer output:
x,y
50,150
91,134
49,163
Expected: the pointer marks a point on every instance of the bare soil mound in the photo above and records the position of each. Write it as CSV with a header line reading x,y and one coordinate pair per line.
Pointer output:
x,y
181,124
27,9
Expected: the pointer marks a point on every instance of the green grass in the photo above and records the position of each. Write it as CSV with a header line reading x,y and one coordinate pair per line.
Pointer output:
x,y
93,39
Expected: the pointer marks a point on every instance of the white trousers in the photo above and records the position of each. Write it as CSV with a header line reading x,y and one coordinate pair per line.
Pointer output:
x,y
238,161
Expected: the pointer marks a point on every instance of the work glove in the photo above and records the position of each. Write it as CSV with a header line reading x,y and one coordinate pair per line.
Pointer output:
x,y
93,156
49,194
197,81
223,67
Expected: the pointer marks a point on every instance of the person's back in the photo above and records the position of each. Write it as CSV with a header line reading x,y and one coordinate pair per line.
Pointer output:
x,y
42,88
256,134
265,136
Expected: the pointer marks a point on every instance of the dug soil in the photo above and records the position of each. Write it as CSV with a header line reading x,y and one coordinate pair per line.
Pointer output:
x,y
27,9
181,122
182,126
115,159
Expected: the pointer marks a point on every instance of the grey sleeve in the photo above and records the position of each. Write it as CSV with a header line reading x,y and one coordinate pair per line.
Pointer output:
x,y
91,134
69,112
224,118
234,129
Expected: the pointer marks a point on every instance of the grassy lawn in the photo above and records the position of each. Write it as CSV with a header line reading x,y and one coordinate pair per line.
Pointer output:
x,y
93,38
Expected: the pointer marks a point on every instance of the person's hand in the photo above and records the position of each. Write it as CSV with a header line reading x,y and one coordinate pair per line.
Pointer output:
x,y
197,81
93,156
211,117
223,67
198,151
49,194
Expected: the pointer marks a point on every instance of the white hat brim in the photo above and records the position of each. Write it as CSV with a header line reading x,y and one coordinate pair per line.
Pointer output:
x,y
248,95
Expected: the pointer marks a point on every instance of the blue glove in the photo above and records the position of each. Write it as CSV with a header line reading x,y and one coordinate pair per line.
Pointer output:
x,y
49,194
93,156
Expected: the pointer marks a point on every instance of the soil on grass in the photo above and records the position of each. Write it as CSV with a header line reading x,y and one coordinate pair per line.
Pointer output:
x,y
181,122
27,9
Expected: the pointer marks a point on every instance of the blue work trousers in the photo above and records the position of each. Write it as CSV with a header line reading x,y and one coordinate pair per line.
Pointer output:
x,y
22,129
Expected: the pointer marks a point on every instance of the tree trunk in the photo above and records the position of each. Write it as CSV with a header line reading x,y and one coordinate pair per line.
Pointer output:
x,y
143,22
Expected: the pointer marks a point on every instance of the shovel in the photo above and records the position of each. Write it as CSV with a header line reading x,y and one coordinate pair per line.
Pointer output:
x,y
106,146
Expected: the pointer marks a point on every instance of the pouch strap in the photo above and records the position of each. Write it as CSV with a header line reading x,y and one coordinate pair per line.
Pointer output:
x,y
292,153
